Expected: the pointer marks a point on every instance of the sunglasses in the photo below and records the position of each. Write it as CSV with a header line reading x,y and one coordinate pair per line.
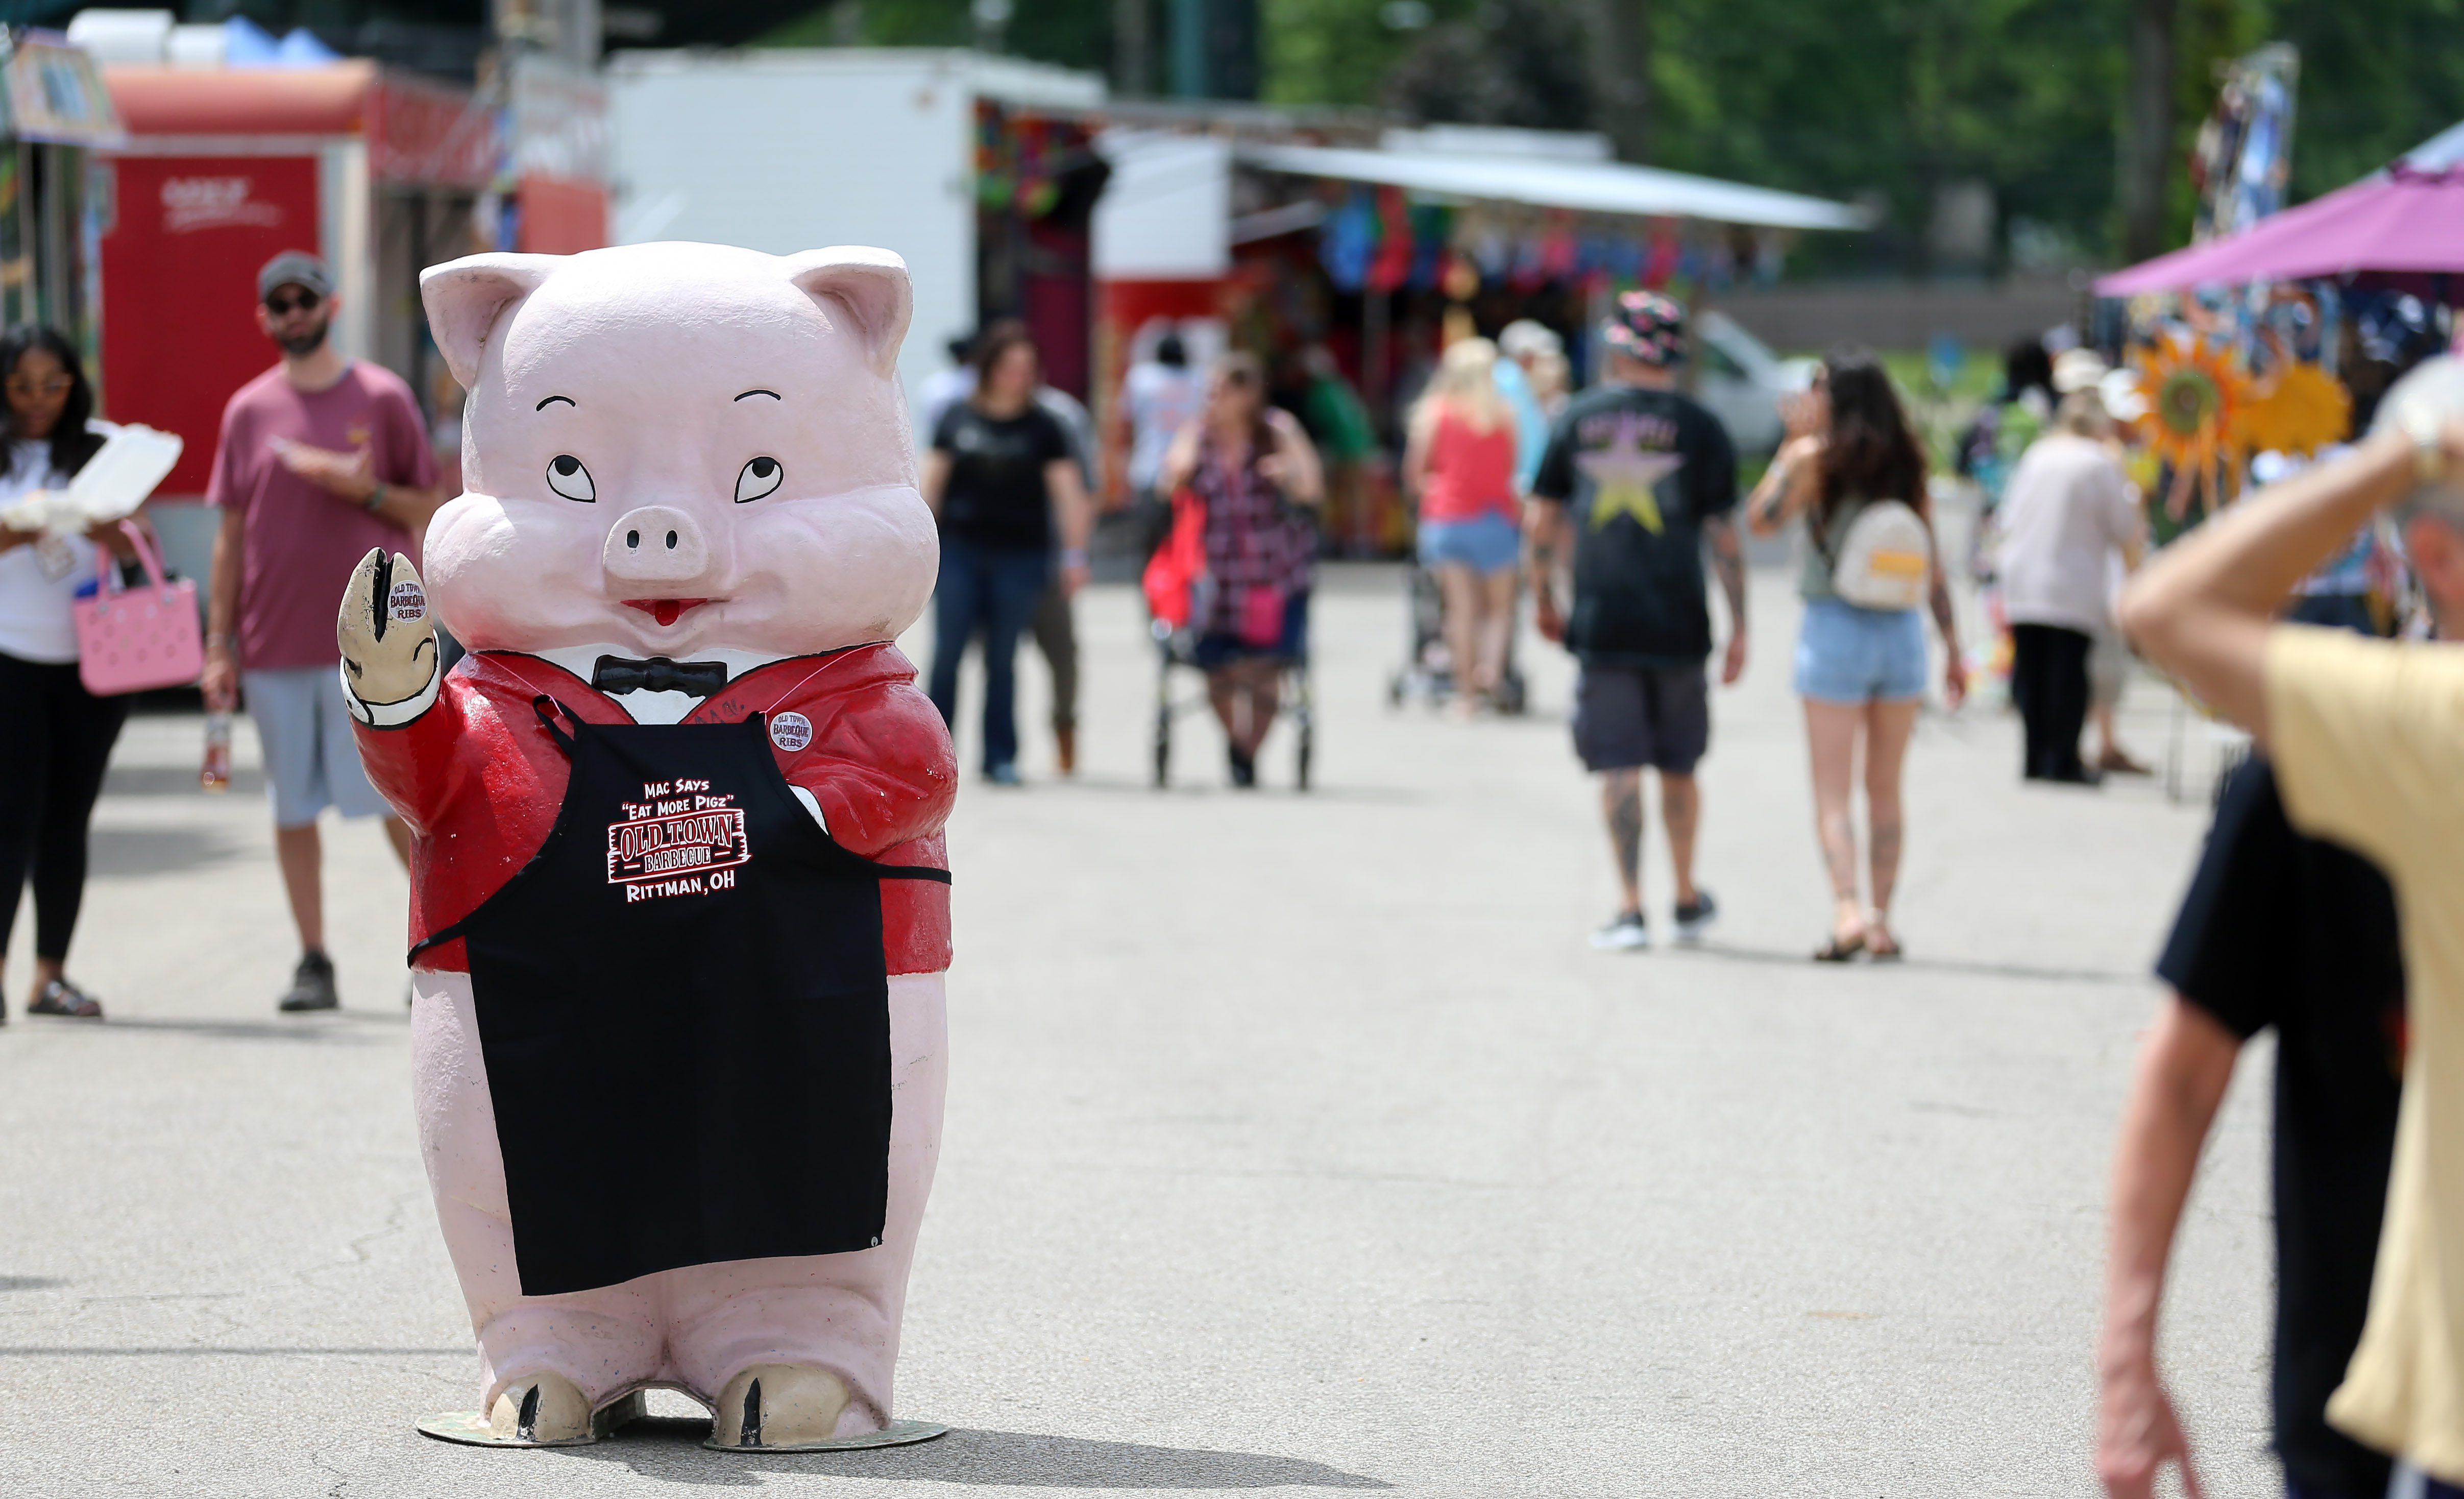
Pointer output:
x,y
282,307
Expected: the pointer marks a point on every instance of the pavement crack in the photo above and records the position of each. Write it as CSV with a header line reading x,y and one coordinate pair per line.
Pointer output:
x,y
360,1246
342,1480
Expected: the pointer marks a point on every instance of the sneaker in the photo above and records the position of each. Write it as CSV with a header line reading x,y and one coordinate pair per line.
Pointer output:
x,y
1627,933
1004,774
59,996
312,985
1695,921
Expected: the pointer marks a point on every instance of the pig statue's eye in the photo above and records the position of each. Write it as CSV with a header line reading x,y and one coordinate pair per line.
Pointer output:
x,y
567,475
760,478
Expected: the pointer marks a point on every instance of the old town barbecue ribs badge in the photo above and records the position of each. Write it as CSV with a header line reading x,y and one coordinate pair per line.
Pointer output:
x,y
678,840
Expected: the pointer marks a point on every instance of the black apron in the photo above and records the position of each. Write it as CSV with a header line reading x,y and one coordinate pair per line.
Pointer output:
x,y
685,1014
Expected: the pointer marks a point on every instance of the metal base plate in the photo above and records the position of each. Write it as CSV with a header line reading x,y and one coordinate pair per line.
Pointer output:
x,y
898,1434
471,1429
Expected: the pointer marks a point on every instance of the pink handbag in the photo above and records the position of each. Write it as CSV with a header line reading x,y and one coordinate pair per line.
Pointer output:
x,y
130,640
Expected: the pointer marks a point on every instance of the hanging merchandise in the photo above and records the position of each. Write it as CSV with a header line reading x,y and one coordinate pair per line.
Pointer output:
x,y
1348,240
2198,417
1392,266
2243,158
2301,410
1432,227
1659,266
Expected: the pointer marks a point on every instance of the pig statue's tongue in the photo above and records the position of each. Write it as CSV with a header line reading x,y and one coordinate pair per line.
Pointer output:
x,y
667,612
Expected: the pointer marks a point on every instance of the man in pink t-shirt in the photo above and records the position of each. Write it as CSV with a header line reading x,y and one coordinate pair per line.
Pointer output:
x,y
321,458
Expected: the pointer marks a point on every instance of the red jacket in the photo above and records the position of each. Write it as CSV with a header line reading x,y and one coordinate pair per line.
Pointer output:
x,y
479,779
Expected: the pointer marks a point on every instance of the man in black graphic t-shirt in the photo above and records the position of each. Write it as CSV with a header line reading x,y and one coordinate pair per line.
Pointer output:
x,y
1637,479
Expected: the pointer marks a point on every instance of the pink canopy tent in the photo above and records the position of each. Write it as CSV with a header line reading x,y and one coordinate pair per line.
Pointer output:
x,y
2406,226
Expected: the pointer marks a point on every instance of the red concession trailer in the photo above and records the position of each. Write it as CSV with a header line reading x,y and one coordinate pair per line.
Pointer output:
x,y
223,169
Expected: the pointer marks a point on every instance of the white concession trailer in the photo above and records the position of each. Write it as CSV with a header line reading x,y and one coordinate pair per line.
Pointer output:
x,y
787,149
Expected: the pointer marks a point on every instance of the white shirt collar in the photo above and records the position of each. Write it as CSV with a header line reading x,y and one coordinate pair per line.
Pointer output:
x,y
653,707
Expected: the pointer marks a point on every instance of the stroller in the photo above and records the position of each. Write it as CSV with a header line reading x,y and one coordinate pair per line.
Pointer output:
x,y
1427,674
1176,588
1177,648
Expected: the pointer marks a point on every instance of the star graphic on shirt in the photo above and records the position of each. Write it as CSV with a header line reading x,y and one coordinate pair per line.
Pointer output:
x,y
1624,478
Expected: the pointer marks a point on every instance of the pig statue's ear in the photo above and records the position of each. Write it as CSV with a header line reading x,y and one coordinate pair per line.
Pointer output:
x,y
465,297
864,287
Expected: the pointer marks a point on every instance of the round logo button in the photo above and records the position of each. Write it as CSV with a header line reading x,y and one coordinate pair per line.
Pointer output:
x,y
791,731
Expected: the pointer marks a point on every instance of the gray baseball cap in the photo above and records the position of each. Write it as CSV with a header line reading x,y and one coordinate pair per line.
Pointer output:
x,y
294,268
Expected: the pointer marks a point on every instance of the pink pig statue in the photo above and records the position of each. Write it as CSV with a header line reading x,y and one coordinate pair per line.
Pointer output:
x,y
679,896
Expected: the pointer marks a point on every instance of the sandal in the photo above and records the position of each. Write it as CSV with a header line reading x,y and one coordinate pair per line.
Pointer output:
x,y
1886,955
1835,951
59,996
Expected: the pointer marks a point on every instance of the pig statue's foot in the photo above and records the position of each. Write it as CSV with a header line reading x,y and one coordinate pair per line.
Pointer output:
x,y
778,1405
541,1410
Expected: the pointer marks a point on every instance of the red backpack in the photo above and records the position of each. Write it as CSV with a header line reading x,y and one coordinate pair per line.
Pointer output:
x,y
1172,574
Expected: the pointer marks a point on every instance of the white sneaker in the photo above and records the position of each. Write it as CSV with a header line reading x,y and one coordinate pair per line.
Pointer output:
x,y
1626,934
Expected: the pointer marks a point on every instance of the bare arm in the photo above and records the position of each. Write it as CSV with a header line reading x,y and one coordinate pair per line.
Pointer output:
x,y
1788,487
410,506
2184,1066
1729,565
934,481
2203,607
1548,535
1180,460
1076,513
1415,455
1954,671
1292,467
351,477
221,682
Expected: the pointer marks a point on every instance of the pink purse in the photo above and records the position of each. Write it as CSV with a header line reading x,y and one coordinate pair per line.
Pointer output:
x,y
130,640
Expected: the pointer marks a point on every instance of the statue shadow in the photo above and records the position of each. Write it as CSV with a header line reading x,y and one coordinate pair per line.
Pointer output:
x,y
670,1447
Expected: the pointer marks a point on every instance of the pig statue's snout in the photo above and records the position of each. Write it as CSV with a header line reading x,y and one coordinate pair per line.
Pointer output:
x,y
656,546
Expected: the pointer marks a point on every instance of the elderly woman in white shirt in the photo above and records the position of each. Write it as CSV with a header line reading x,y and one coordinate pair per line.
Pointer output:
x,y
2067,513
58,738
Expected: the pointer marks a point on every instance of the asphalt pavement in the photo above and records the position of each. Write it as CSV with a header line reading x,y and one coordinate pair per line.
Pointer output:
x,y
1296,1141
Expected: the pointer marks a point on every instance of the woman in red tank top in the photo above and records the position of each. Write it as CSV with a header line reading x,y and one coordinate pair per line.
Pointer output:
x,y
1460,459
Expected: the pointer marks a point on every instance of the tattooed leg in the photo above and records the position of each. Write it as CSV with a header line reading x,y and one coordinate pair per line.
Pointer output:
x,y
1621,804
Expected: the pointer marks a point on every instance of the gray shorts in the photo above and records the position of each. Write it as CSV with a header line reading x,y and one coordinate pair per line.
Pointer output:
x,y
1627,717
311,762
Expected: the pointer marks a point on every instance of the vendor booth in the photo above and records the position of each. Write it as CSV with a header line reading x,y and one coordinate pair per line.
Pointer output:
x,y
223,169
57,115
1347,267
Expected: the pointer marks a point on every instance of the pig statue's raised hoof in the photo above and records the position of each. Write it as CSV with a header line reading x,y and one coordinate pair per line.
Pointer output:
x,y
779,1407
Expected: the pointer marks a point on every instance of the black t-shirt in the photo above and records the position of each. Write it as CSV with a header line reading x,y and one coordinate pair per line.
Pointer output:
x,y
996,496
1642,469
2286,931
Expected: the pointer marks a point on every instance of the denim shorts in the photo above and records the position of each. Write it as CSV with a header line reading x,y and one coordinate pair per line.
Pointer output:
x,y
1845,654
311,761
1487,543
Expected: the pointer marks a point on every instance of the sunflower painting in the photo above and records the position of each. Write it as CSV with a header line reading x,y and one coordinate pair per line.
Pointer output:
x,y
2303,410
2199,403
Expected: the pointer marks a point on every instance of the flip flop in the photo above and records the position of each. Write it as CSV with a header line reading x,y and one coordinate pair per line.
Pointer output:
x,y
1835,951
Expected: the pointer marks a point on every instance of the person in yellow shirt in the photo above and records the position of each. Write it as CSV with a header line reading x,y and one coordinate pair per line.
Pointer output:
x,y
2367,740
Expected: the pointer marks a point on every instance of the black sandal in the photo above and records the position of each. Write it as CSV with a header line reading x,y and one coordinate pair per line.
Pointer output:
x,y
59,996
1835,951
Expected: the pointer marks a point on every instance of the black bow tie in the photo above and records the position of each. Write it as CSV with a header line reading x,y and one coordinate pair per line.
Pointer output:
x,y
618,675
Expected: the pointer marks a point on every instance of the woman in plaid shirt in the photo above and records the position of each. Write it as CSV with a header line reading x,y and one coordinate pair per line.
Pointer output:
x,y
1253,468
